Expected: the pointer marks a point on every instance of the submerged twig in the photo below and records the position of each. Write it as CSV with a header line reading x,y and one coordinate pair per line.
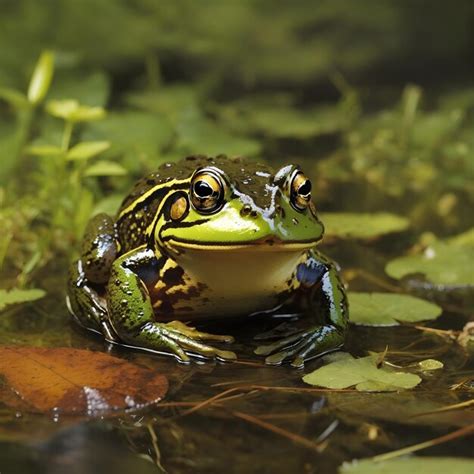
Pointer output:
x,y
465,431
280,431
455,406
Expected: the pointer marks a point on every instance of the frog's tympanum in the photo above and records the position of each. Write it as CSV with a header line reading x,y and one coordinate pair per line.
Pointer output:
x,y
209,238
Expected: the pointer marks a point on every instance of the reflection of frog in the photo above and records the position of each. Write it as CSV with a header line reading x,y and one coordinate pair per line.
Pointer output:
x,y
209,238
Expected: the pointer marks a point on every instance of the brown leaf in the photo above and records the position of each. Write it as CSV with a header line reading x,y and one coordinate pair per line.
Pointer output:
x,y
75,382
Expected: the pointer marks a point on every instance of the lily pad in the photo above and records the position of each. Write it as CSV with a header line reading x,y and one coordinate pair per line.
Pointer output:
x,y
444,262
75,382
418,464
17,295
362,225
389,309
362,373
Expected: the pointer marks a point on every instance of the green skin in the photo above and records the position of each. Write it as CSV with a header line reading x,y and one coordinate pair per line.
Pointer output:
x,y
139,275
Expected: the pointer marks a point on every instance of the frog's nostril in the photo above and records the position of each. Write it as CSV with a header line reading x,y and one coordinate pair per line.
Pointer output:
x,y
245,211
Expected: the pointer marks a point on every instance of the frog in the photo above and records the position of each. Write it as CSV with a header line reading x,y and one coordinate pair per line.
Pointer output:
x,y
210,237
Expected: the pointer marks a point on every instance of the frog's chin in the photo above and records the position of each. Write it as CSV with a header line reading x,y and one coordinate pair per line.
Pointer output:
x,y
268,244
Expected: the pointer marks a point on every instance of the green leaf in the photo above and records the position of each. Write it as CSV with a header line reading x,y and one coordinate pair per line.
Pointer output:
x,y
16,295
197,135
41,78
363,225
87,150
363,373
110,205
62,108
446,262
420,465
429,365
105,168
289,121
88,88
14,97
388,309
139,136
44,150
71,110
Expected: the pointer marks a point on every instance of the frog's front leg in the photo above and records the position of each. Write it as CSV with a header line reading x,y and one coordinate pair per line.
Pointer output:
x,y
132,315
89,274
321,296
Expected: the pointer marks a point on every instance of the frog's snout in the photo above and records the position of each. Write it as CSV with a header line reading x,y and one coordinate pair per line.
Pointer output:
x,y
254,213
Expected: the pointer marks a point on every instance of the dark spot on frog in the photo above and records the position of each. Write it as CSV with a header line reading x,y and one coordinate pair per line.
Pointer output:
x,y
168,301
173,276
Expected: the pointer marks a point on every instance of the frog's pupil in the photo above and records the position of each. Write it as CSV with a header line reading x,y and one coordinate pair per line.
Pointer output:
x,y
305,188
203,189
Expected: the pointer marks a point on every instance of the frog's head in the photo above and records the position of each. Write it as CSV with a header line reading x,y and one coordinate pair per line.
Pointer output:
x,y
235,204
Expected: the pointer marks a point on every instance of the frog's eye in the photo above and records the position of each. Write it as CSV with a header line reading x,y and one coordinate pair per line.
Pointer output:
x,y
207,192
300,191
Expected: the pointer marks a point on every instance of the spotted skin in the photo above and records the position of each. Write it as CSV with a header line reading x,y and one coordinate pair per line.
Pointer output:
x,y
133,286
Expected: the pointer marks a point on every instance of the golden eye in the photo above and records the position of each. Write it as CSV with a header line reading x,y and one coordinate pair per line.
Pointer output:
x,y
179,208
207,192
300,191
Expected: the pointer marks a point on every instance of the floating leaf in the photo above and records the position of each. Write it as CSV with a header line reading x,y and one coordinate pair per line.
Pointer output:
x,y
430,364
87,150
418,464
347,371
41,78
75,382
105,168
388,309
14,296
363,225
444,262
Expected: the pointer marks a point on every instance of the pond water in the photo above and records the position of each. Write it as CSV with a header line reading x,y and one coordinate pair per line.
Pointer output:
x,y
242,416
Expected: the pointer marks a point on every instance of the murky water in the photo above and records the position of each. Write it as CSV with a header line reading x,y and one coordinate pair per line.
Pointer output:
x,y
242,416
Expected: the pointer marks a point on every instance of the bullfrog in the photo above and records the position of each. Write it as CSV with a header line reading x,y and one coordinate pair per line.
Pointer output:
x,y
210,238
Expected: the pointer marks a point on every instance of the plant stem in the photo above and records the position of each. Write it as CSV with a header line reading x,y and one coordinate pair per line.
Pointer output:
x,y
67,134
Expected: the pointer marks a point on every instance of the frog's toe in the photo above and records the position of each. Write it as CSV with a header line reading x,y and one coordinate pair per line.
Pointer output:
x,y
189,339
281,344
302,346
177,351
193,333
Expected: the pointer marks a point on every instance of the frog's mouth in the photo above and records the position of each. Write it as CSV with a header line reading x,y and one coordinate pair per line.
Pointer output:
x,y
267,244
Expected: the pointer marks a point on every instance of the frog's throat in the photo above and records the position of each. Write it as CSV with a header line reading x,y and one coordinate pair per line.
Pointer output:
x,y
262,245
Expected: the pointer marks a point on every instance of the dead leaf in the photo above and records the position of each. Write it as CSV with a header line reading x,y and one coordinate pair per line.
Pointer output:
x,y
75,382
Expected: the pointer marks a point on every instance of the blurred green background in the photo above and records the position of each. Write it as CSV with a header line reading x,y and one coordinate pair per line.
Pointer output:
x,y
374,98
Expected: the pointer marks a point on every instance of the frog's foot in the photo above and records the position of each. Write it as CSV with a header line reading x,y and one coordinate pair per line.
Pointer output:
x,y
90,314
302,345
86,306
183,341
